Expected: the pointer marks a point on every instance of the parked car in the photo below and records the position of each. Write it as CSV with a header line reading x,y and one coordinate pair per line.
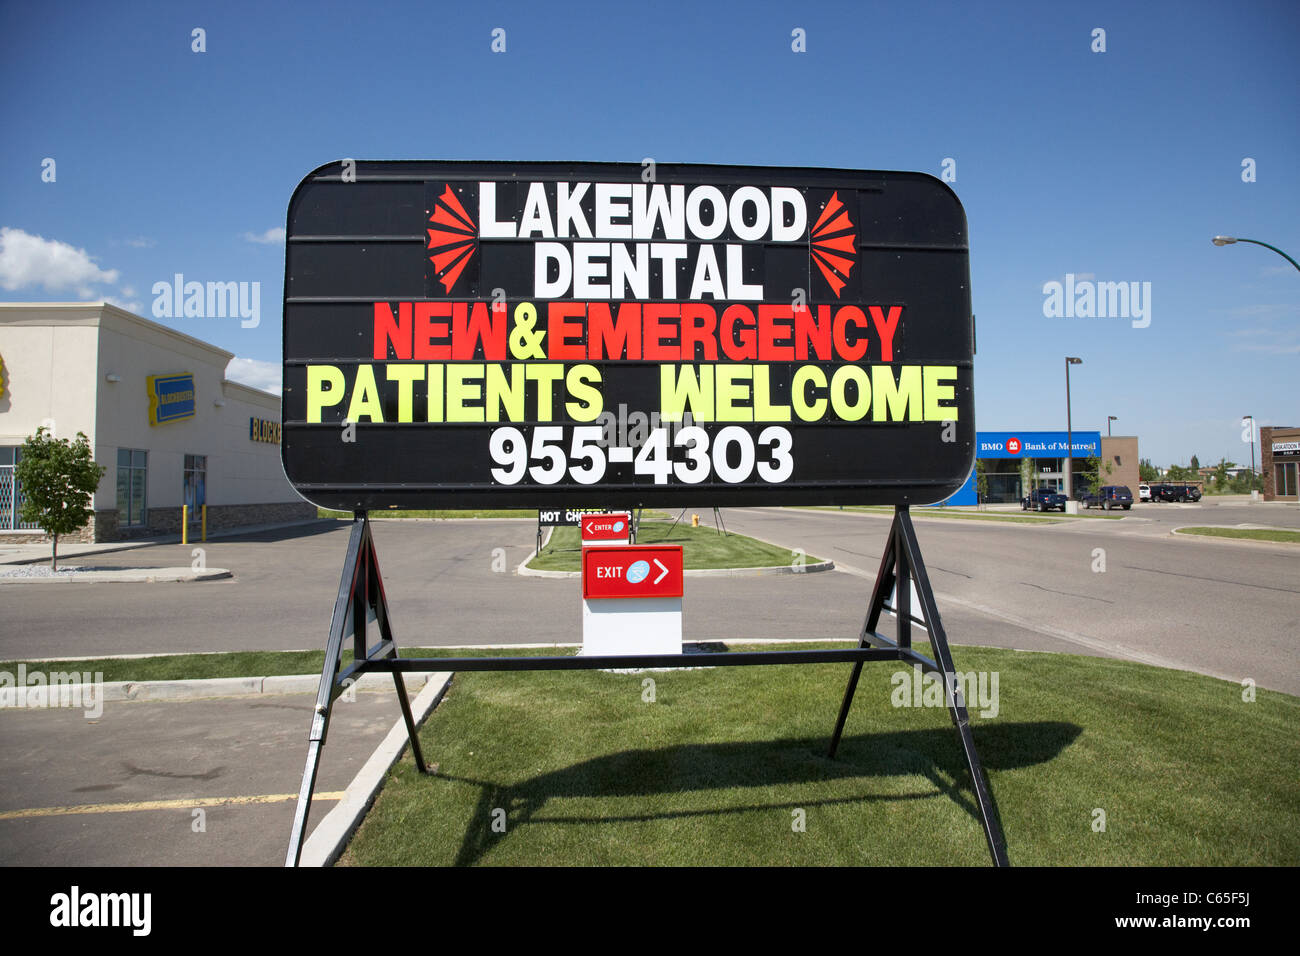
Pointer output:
x,y
1109,497
1043,499
1144,492
1175,492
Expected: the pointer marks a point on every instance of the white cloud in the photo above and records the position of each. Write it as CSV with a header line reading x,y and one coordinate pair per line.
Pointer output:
x,y
141,242
269,238
129,304
27,260
255,373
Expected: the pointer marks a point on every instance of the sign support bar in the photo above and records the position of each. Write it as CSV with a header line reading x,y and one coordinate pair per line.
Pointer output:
x,y
361,599
901,564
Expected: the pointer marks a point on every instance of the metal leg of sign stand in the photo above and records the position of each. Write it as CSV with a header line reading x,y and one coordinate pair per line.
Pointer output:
x,y
900,565
360,600
717,521
680,516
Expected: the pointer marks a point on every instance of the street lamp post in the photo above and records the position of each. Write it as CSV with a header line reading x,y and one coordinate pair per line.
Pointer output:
x,y
1069,431
1229,240
1251,419
1109,419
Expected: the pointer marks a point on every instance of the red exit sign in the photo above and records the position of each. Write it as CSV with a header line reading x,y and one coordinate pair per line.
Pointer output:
x,y
610,527
635,571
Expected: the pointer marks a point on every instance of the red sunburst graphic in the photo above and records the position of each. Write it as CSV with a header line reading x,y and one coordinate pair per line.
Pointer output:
x,y
834,244
454,243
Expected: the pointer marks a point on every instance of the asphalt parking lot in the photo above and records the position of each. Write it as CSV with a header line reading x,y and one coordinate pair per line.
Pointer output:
x,y
1221,608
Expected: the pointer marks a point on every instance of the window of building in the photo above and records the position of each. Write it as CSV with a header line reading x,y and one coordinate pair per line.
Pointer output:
x,y
1284,478
196,480
132,465
10,492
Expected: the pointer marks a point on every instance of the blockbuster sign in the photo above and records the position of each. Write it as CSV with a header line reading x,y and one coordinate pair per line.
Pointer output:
x,y
547,334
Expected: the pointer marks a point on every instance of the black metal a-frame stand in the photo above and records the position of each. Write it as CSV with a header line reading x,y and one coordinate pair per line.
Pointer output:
x,y
361,600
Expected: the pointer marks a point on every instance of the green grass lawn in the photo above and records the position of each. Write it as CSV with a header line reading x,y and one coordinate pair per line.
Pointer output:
x,y
1250,534
713,771
703,547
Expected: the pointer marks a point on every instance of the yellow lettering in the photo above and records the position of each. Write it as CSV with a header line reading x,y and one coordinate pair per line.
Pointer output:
x,y
405,376
589,403
935,393
839,392
893,400
324,389
682,388
365,396
460,391
808,375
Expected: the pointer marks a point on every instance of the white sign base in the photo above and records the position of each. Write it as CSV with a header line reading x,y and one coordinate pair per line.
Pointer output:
x,y
632,626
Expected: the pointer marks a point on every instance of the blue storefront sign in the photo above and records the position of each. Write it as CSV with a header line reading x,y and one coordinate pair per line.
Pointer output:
x,y
1024,444
1035,444
171,398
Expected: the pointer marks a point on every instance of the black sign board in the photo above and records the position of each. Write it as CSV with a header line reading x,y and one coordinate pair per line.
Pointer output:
x,y
499,334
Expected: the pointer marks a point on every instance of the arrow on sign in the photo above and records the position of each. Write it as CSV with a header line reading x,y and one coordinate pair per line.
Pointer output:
x,y
662,570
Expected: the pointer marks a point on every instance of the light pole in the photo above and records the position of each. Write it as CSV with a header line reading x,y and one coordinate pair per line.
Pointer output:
x,y
1109,419
1069,431
1229,240
1251,419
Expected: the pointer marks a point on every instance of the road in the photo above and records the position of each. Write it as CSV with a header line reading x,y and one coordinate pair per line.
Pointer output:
x,y
1222,608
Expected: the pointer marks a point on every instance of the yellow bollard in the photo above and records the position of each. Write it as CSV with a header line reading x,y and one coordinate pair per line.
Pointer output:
x,y
185,524
695,521
205,523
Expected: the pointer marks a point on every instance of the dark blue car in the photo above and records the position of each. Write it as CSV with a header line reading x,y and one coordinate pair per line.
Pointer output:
x,y
1109,497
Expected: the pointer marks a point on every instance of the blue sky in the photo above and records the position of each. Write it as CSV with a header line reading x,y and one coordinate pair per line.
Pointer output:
x,y
1113,166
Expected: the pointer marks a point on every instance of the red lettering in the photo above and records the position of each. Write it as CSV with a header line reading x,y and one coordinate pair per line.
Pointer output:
x,y
770,347
392,331
740,347
564,322
653,346
607,338
850,353
699,327
427,330
885,328
815,333
469,328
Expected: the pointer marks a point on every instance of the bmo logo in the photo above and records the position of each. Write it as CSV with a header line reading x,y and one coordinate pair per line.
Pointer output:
x,y
606,529
1013,446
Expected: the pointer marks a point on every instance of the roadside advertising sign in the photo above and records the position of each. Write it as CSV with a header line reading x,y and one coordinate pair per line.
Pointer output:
x,y
471,334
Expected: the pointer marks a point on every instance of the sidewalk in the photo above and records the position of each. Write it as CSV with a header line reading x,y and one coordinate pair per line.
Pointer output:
x,y
32,553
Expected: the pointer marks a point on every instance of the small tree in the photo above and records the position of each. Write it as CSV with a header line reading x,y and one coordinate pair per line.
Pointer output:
x,y
981,481
1026,476
1147,471
1091,472
57,479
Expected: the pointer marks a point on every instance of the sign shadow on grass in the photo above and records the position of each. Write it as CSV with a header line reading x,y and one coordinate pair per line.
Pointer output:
x,y
698,767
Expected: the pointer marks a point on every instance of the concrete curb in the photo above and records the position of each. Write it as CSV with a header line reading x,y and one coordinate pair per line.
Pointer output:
x,y
116,691
326,843
126,576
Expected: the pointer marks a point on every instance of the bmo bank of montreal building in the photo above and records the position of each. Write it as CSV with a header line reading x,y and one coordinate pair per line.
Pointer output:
x,y
1005,455
161,416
